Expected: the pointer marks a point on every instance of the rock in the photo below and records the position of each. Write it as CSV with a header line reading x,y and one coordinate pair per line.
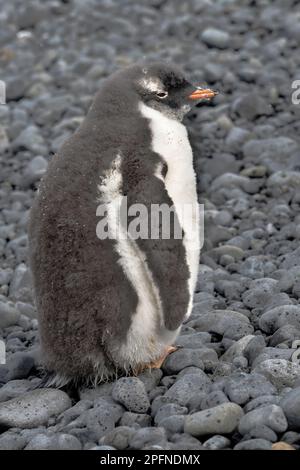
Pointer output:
x,y
33,409
236,138
215,38
214,398
20,364
241,387
170,409
237,349
150,378
4,142
30,139
222,419
12,440
217,443
118,438
54,442
131,419
251,106
34,171
254,444
261,401
282,446
269,415
278,146
290,404
131,392
146,437
279,372
261,432
182,358
9,315
185,388
13,389
277,317
219,321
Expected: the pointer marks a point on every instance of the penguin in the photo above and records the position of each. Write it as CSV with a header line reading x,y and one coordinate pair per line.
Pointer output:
x,y
115,305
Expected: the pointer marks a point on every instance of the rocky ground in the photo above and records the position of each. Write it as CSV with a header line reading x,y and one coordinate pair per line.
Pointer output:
x,y
235,383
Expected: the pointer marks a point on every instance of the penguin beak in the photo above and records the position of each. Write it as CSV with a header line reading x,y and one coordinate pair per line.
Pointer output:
x,y
202,94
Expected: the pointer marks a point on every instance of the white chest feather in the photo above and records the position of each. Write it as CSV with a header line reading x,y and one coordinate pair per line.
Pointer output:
x,y
170,141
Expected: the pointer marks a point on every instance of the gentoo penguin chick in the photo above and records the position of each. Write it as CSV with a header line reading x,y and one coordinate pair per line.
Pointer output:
x,y
116,303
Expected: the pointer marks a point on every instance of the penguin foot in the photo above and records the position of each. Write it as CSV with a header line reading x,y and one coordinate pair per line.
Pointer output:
x,y
159,362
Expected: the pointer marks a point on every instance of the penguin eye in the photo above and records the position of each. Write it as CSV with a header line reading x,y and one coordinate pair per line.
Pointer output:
x,y
161,94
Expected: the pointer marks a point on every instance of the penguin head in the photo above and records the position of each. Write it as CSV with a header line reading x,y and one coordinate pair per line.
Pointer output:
x,y
165,88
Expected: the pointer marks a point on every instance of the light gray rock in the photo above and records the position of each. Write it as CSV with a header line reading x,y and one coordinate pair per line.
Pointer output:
x,y
279,372
9,315
54,442
131,392
290,404
277,317
222,419
269,415
215,38
185,388
217,443
34,408
254,444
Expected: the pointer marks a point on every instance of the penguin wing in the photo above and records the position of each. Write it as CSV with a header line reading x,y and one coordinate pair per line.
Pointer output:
x,y
164,254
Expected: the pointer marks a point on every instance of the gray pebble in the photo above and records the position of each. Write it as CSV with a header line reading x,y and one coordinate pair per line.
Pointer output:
x,y
131,392
222,419
269,415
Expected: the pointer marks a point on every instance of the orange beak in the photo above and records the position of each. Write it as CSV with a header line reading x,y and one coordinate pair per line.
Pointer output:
x,y
203,94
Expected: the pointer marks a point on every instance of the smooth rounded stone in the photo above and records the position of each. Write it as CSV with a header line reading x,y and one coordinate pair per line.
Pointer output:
x,y
260,292
275,146
254,347
30,139
253,267
118,438
242,387
34,408
236,138
273,353
131,419
250,106
173,424
279,372
257,171
214,398
215,38
282,182
182,358
261,432
261,401
254,444
55,442
222,419
235,252
240,362
102,448
184,441
238,330
231,181
285,334
277,317
291,261
34,171
148,437
237,349
269,415
291,437
13,389
131,392
9,315
290,404
11,440
193,340
218,321
216,443
20,365
5,276
26,310
167,410
150,378
185,388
